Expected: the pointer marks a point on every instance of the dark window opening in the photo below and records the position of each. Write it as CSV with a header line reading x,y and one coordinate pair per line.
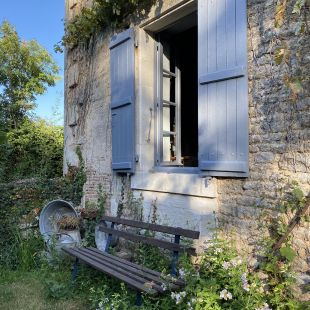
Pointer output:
x,y
178,92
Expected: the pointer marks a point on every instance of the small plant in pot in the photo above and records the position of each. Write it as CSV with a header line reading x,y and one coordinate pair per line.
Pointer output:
x,y
68,222
90,213
69,225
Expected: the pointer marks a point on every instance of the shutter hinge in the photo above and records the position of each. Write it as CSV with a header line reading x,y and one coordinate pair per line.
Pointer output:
x,y
137,158
136,42
208,181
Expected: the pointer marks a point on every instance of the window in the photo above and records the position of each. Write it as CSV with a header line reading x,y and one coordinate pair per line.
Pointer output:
x,y
200,91
177,94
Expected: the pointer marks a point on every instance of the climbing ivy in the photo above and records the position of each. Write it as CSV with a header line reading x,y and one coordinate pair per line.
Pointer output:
x,y
103,13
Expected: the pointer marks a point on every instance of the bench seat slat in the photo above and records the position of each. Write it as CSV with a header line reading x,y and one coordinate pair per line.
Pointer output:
x,y
121,270
148,240
133,270
111,272
193,234
138,267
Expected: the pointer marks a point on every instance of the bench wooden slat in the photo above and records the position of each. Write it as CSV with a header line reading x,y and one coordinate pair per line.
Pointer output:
x,y
111,272
134,270
121,270
193,234
138,267
131,272
156,273
148,240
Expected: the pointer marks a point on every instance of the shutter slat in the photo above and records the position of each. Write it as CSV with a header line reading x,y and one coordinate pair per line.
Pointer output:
x,y
223,111
122,70
222,75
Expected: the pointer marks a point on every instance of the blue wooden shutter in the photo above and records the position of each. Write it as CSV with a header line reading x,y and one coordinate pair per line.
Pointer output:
x,y
222,70
122,69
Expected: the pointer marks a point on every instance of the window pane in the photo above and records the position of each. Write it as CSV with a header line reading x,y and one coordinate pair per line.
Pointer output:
x,y
169,151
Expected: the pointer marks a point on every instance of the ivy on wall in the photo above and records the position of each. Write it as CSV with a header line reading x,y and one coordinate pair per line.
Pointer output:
x,y
103,13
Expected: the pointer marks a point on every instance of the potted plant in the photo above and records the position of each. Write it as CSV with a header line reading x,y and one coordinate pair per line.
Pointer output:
x,y
69,225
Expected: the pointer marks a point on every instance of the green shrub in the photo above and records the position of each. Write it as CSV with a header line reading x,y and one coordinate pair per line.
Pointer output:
x,y
33,149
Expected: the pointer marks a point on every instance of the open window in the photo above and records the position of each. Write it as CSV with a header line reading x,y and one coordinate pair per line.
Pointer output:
x,y
177,94
201,91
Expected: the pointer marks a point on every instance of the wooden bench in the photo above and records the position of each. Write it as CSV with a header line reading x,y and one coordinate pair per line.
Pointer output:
x,y
137,277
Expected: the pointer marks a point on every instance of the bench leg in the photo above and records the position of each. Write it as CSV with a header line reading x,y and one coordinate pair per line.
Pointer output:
x,y
175,258
138,299
75,269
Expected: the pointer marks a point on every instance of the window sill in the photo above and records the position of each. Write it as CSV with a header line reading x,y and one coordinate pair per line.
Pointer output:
x,y
175,180
175,169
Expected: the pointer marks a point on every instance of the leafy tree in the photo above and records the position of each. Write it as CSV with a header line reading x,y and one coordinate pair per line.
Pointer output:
x,y
26,70
34,149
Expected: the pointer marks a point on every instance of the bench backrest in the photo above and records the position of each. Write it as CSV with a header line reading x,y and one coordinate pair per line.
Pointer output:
x,y
176,231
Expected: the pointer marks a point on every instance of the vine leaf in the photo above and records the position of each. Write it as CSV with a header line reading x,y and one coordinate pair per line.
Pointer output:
x,y
294,84
288,253
281,54
298,194
280,12
298,6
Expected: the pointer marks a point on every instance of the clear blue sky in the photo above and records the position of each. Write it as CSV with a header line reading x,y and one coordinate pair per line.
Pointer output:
x,y
41,20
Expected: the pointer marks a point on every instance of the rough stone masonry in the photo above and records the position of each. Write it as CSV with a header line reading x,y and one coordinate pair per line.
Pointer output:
x,y
279,128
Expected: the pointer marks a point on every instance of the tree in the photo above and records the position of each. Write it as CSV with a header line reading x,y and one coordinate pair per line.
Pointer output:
x,y
34,149
26,70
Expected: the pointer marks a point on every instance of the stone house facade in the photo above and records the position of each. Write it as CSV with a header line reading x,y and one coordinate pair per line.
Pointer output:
x,y
188,108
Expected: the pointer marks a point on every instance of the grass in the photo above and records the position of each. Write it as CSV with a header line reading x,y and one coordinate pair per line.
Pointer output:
x,y
26,291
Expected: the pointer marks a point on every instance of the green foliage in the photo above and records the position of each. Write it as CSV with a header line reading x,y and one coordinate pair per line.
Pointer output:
x,y
28,147
26,70
21,203
218,278
102,14
76,178
33,149
149,256
288,253
89,223
104,298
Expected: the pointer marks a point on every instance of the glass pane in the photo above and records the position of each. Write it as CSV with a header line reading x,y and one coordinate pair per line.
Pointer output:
x,y
169,118
169,150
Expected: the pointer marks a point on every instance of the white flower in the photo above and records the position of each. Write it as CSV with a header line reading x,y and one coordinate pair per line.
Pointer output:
x,y
245,286
218,250
264,307
182,273
235,262
183,294
164,286
224,294
226,265
243,277
178,298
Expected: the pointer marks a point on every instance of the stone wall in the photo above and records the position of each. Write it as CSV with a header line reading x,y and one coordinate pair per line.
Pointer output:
x,y
279,134
279,131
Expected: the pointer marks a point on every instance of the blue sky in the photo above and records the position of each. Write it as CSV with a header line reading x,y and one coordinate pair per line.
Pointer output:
x,y
41,20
